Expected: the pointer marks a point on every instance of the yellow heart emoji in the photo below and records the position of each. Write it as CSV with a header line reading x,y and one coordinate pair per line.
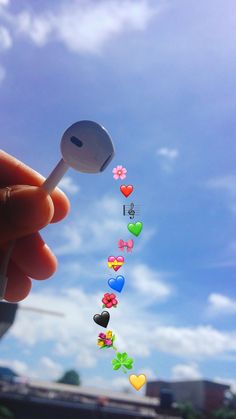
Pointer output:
x,y
137,381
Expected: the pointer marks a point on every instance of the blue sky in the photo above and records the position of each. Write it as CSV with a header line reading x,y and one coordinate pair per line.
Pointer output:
x,y
160,76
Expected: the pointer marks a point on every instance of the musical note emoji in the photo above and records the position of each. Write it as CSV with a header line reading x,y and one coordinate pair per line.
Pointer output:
x,y
131,211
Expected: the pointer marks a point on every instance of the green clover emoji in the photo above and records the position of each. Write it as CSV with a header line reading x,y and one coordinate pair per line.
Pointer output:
x,y
122,361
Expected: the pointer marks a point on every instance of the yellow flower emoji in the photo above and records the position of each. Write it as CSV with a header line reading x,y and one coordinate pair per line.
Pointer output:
x,y
109,334
101,342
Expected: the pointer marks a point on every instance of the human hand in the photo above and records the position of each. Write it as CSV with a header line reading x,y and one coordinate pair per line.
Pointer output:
x,y
24,209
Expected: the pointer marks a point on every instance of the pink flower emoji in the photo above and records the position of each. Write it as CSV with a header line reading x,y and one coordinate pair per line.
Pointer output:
x,y
119,172
108,342
109,300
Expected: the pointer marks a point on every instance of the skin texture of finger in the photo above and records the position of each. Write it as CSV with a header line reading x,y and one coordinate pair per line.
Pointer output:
x,y
33,257
26,210
15,172
18,286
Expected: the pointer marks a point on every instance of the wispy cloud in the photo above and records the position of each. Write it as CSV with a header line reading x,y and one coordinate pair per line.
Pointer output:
x,y
226,185
186,372
4,3
225,380
83,26
149,283
227,258
48,368
194,342
168,153
45,369
119,383
2,73
219,304
86,233
68,185
167,157
65,335
74,336
5,39
19,367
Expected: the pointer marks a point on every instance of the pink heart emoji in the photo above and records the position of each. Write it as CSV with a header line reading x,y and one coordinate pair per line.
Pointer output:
x,y
115,262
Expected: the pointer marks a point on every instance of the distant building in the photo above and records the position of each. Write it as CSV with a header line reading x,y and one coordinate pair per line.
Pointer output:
x,y
37,399
206,396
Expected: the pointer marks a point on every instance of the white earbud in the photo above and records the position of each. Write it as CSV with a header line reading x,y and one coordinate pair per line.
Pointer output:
x,y
85,146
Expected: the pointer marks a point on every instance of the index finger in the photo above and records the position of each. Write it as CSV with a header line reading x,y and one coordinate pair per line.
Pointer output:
x,y
14,172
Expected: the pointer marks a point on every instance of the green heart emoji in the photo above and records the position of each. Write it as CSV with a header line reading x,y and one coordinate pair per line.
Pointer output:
x,y
135,228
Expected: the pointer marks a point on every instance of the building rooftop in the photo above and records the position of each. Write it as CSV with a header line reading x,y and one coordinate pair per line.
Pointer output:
x,y
183,382
92,392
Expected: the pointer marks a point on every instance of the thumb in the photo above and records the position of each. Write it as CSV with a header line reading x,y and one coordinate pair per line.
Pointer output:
x,y
23,210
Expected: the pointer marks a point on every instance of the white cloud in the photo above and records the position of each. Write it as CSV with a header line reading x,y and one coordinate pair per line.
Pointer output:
x,y
37,28
70,238
118,383
68,185
149,283
186,372
220,304
45,368
74,235
4,2
85,234
230,255
195,342
2,73
17,366
72,336
75,336
83,26
5,39
168,153
224,380
226,184
167,157
152,375
77,272
227,258
48,369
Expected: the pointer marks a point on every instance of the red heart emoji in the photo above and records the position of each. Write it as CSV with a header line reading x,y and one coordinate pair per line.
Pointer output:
x,y
126,190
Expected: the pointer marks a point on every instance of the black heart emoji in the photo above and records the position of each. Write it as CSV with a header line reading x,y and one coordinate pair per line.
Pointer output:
x,y
102,319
